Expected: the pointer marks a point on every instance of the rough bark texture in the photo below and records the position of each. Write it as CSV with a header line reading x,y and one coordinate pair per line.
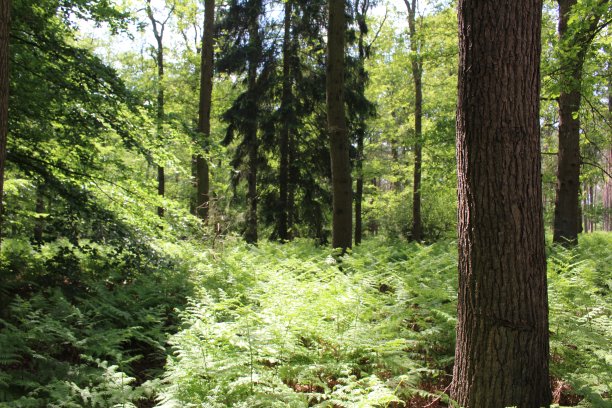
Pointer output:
x,y
5,28
567,221
501,356
286,110
342,224
250,234
417,74
206,87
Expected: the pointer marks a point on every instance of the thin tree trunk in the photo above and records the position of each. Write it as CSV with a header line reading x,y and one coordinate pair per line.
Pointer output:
x,y
5,29
250,234
206,87
342,224
361,13
39,208
502,349
567,218
417,73
607,189
286,110
158,32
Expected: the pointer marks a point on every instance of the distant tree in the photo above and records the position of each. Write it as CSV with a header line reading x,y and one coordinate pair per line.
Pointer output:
x,y
417,75
206,87
158,31
342,225
574,42
5,29
502,348
288,122
360,108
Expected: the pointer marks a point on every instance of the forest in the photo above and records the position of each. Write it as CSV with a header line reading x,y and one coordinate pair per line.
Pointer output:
x,y
305,203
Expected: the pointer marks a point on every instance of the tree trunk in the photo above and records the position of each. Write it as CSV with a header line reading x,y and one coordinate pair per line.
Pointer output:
x,y
206,86
361,13
342,224
417,73
501,356
250,234
359,187
39,208
5,29
158,32
575,45
607,189
286,112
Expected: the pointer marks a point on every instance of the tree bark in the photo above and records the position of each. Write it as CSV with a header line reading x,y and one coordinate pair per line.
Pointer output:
x,y
567,219
206,87
361,9
502,349
5,29
417,74
255,50
286,112
158,32
342,223
607,189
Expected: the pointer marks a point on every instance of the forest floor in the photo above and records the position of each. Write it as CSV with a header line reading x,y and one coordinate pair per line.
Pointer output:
x,y
275,326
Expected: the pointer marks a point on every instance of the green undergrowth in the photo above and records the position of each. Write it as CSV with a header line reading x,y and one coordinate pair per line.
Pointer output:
x,y
86,325
293,325
289,326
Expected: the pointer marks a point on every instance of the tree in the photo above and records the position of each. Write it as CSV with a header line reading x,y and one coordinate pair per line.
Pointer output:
x,y
287,114
158,31
206,87
361,108
342,216
575,40
5,29
501,355
417,75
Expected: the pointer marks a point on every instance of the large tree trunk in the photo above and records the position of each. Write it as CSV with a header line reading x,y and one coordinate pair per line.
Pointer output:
x,y
342,224
5,28
286,112
206,86
250,234
501,356
567,221
417,73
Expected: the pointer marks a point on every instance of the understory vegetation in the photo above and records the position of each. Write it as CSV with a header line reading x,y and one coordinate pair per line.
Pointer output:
x,y
293,325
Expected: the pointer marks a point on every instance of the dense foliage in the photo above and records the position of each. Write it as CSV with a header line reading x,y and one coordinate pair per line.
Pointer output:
x,y
274,325
103,303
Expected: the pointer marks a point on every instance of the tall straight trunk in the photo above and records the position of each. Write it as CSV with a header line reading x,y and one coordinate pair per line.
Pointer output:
x,y
359,188
342,224
158,32
250,234
417,74
5,28
501,356
286,112
206,87
567,220
607,189
362,9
